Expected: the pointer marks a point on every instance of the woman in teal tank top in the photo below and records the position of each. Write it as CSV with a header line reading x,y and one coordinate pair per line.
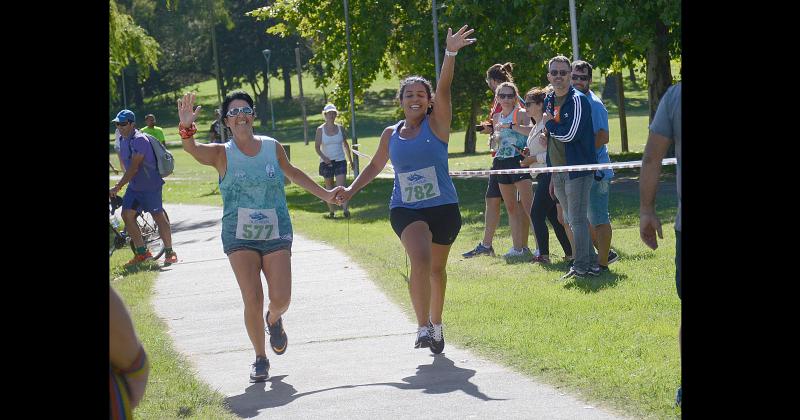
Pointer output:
x,y
424,206
256,229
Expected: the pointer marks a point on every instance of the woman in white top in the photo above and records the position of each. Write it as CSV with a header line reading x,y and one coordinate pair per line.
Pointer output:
x,y
331,145
543,204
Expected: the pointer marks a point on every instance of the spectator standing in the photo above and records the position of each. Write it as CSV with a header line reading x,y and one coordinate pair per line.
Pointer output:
x,y
153,130
544,207
599,219
568,119
331,145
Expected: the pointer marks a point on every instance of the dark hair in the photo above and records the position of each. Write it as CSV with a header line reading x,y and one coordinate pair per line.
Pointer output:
x,y
536,95
149,115
411,80
582,65
230,97
560,58
501,72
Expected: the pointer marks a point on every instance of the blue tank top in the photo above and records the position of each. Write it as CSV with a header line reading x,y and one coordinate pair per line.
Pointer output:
x,y
421,175
507,137
253,198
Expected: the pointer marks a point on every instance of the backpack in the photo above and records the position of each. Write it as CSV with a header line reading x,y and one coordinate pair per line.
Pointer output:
x,y
165,162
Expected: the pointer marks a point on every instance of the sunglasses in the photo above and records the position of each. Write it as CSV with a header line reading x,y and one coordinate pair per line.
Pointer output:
x,y
235,111
561,72
506,95
122,124
529,103
582,77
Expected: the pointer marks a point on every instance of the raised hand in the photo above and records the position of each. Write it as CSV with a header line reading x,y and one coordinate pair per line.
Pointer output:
x,y
455,41
185,113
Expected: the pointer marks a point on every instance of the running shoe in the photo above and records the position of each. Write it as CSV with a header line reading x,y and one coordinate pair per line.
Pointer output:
x,y
139,258
423,338
277,336
170,258
347,214
574,272
544,259
437,337
678,397
259,371
330,216
612,256
513,253
479,250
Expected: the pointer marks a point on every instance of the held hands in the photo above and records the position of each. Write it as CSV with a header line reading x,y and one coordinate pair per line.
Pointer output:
x,y
343,195
331,194
458,40
649,225
185,113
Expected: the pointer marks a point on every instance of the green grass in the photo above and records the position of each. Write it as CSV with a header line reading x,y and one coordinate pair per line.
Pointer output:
x,y
612,339
172,389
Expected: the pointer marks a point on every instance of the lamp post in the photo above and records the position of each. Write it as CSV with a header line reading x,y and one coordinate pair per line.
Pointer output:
x,y
267,54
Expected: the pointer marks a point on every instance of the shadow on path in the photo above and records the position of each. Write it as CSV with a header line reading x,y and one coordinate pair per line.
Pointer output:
x,y
440,377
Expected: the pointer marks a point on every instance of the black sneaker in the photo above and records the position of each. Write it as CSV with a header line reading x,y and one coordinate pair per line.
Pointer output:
x,y
678,397
259,371
612,256
574,272
594,271
423,338
347,214
479,250
277,336
603,268
437,340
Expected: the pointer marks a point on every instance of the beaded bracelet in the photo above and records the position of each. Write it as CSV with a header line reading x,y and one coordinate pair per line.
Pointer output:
x,y
187,133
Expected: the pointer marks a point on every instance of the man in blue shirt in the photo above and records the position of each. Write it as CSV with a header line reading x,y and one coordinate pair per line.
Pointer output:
x,y
144,191
599,220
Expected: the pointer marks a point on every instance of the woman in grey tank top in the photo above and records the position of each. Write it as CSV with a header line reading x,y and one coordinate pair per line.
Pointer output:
x,y
259,241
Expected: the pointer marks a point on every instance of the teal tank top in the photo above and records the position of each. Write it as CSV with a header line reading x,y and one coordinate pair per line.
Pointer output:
x,y
253,197
508,137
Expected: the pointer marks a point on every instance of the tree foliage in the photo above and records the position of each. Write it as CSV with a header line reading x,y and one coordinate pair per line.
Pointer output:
x,y
128,43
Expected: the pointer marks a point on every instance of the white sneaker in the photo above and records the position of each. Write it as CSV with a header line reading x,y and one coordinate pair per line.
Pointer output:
x,y
514,253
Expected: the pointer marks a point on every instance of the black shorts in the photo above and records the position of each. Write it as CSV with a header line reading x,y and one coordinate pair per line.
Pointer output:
x,y
509,163
337,167
678,262
443,221
493,190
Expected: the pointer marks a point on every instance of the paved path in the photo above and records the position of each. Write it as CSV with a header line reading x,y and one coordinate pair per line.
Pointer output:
x,y
350,351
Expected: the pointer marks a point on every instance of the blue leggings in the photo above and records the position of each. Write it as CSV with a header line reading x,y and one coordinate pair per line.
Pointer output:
x,y
545,207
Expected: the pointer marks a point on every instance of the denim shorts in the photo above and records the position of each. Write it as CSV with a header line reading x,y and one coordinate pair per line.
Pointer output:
x,y
598,203
337,167
149,201
230,244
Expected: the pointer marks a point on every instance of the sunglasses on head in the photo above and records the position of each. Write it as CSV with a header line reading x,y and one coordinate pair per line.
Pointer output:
x,y
235,111
561,72
505,95
122,124
582,77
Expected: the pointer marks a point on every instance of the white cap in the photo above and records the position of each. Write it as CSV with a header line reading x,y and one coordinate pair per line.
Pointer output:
x,y
330,107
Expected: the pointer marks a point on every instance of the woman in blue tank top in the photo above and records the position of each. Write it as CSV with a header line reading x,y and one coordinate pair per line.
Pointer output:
x,y
256,229
424,206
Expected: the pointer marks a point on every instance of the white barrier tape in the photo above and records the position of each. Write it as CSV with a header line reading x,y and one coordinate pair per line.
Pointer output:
x,y
388,165
573,168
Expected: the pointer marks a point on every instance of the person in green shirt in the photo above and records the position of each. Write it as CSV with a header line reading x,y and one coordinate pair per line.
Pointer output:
x,y
152,130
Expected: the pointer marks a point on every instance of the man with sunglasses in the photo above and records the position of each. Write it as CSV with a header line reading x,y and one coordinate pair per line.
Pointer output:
x,y
144,189
599,220
568,119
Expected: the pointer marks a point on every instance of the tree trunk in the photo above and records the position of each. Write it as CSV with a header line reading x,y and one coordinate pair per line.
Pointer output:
x,y
136,88
287,83
659,74
470,136
610,88
623,123
632,77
